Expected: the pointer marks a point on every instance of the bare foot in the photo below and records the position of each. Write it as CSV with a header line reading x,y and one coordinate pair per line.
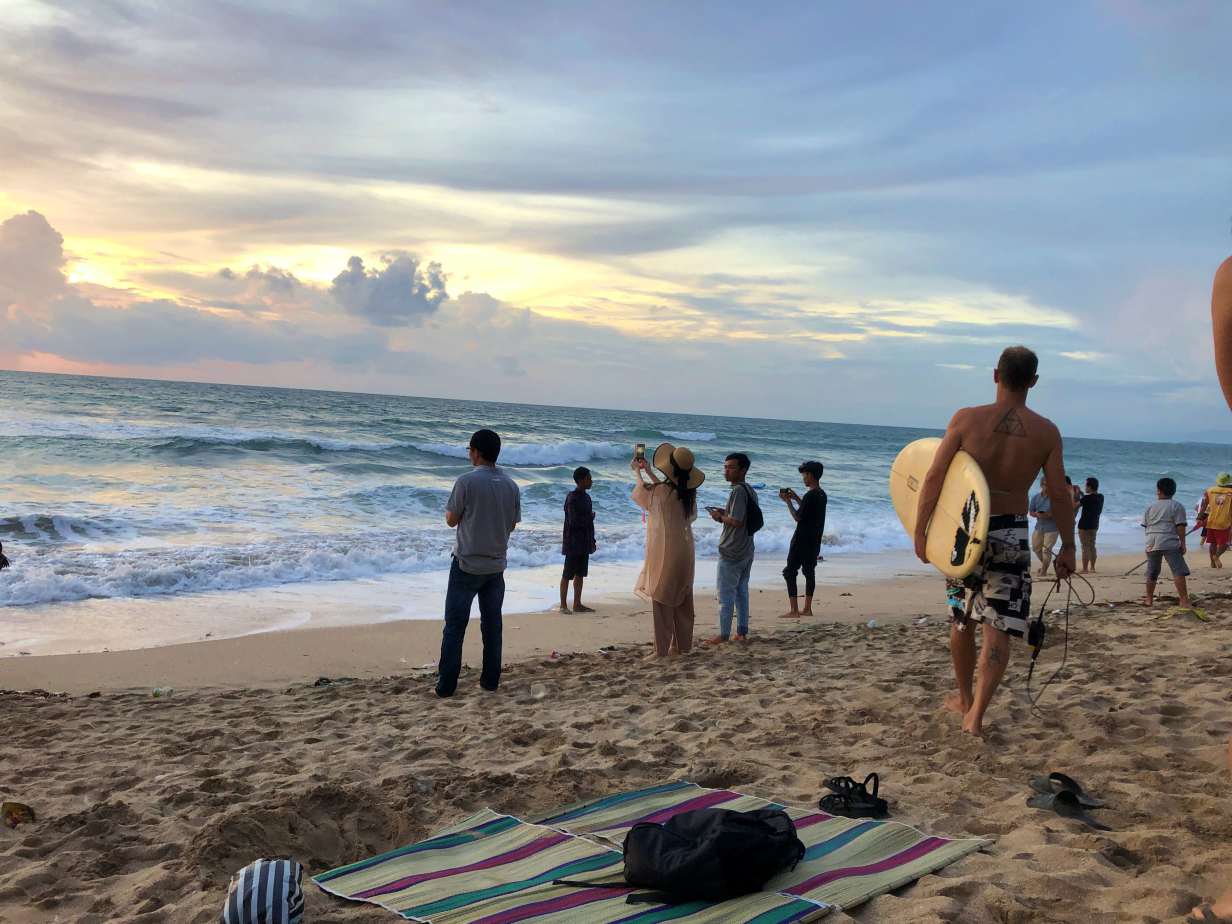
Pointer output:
x,y
579,608
1221,908
955,704
742,638
972,727
715,640
789,615
807,613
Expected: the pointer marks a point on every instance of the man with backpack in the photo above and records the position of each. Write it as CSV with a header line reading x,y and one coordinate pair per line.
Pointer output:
x,y
1215,516
741,518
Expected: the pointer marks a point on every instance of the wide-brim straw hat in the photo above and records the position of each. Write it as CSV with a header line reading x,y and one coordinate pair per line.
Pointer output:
x,y
666,454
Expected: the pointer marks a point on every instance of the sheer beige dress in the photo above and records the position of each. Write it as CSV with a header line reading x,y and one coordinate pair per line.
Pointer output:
x,y
667,573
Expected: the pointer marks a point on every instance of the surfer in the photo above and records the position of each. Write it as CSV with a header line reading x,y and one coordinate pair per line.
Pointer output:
x,y
1012,444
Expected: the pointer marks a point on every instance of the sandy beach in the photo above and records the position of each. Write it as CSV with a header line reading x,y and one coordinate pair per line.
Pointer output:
x,y
147,805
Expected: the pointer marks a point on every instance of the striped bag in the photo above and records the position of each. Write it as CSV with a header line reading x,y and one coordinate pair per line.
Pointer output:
x,y
266,892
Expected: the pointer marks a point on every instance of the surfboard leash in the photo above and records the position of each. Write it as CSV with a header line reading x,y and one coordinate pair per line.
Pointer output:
x,y
1038,629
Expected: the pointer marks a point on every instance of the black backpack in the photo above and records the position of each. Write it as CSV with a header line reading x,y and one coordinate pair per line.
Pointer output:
x,y
706,855
753,519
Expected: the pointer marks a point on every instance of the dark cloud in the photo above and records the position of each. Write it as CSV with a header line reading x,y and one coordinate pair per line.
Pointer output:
x,y
401,291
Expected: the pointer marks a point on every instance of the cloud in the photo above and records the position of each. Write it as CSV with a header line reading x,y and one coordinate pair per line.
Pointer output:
x,y
1083,356
401,292
31,259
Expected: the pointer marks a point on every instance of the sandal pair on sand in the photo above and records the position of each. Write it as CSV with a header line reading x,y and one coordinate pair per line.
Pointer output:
x,y
1065,796
852,799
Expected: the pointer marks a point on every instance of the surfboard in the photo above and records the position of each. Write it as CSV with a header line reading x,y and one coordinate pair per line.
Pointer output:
x,y
959,527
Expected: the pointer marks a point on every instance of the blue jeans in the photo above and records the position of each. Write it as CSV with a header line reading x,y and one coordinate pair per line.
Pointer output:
x,y
463,588
733,581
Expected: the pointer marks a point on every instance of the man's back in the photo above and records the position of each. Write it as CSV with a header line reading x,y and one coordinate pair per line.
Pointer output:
x,y
1011,443
489,505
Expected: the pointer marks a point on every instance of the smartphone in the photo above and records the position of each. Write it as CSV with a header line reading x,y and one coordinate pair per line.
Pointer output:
x,y
639,452
713,509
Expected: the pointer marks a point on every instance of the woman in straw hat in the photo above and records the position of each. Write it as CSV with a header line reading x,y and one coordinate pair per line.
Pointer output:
x,y
667,573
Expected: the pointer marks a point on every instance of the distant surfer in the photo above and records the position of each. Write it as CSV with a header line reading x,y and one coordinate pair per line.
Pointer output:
x,y
1012,444
4,562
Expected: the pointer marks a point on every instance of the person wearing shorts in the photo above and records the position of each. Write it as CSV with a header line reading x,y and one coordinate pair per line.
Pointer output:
x,y
1164,522
1215,516
1091,506
998,591
1012,444
578,540
1045,536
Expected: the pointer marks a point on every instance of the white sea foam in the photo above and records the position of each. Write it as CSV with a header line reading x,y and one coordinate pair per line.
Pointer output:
x,y
558,453
692,436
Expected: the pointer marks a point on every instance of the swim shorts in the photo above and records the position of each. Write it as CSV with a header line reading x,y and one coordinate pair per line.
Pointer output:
x,y
998,591
576,566
1218,536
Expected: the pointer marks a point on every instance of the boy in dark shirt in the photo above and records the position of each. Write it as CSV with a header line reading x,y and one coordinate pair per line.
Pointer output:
x,y
578,542
809,512
1092,505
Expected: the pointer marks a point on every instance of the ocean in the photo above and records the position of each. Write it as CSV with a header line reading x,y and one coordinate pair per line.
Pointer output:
x,y
115,488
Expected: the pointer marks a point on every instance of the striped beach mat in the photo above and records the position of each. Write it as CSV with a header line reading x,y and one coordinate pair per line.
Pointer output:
x,y
496,869
847,861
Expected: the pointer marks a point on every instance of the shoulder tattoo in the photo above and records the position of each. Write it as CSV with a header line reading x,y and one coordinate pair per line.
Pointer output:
x,y
1011,424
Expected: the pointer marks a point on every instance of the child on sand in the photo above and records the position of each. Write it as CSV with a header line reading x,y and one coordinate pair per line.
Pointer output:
x,y
578,542
1165,524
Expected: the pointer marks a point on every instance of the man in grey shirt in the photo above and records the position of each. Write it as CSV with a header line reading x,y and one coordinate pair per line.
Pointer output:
x,y
483,507
1045,535
735,550
1165,523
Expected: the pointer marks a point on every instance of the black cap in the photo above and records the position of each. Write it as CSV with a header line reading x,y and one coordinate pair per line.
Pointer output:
x,y
813,468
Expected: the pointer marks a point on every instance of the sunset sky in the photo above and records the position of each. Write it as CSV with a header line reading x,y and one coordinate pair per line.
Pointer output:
x,y
830,211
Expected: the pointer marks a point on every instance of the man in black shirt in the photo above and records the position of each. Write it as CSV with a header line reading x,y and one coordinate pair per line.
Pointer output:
x,y
809,512
578,540
1092,505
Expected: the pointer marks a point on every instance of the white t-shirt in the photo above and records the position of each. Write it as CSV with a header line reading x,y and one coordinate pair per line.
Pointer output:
x,y
1161,520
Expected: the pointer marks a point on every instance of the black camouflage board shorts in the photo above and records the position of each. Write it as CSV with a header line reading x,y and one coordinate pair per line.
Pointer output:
x,y
998,591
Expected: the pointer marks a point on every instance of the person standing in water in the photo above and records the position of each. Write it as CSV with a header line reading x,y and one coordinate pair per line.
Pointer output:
x,y
809,512
1011,443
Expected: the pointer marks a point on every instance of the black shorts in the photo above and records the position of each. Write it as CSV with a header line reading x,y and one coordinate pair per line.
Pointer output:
x,y
576,566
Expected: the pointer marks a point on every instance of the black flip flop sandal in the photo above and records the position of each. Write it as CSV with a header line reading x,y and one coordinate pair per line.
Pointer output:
x,y
1059,782
852,799
1066,804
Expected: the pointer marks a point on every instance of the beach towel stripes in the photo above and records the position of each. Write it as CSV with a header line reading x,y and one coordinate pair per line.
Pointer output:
x,y
265,892
495,869
610,818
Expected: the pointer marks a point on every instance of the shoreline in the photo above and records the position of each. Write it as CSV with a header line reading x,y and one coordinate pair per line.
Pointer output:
x,y
273,659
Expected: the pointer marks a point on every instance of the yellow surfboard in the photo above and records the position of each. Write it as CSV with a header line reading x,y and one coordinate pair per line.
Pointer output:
x,y
959,527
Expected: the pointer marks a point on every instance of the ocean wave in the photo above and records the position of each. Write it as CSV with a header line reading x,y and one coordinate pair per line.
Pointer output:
x,y
185,440
532,454
60,527
693,436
